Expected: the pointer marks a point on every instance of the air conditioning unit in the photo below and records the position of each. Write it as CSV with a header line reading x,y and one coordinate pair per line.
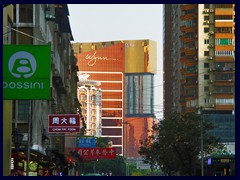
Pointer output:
x,y
210,93
211,32
206,10
211,45
210,81
211,10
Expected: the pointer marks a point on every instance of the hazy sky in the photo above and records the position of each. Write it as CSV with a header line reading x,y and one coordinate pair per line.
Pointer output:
x,y
111,22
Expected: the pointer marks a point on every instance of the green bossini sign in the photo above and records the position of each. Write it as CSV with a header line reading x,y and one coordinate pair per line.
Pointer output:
x,y
26,71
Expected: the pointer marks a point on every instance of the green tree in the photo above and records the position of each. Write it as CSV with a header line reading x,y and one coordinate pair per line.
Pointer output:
x,y
114,166
175,145
103,142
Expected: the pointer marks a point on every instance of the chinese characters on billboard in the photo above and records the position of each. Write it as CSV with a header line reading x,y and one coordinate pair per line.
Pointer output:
x,y
63,123
96,153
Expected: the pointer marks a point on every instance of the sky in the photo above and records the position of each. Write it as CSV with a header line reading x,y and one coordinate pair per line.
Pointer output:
x,y
112,22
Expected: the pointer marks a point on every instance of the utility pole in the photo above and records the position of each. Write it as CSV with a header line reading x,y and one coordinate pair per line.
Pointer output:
x,y
201,129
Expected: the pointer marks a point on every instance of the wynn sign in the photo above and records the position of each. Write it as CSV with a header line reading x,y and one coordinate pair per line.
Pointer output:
x,y
109,59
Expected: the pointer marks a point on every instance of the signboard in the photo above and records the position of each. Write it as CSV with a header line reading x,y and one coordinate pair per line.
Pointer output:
x,y
63,123
96,153
26,71
87,142
108,59
142,165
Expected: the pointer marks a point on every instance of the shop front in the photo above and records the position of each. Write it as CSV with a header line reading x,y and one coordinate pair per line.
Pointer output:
x,y
39,164
220,165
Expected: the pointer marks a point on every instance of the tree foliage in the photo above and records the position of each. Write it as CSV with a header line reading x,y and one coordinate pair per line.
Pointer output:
x,y
115,166
176,143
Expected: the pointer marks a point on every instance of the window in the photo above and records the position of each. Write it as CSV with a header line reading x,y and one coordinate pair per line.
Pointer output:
x,y
223,17
206,18
206,30
207,101
223,41
206,53
206,76
223,30
224,53
206,65
206,6
224,101
25,13
206,88
206,41
23,109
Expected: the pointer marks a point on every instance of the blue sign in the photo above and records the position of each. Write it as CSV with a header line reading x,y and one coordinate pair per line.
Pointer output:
x,y
209,161
87,142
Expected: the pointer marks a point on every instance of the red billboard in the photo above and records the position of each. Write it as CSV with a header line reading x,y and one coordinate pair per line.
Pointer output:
x,y
96,153
63,123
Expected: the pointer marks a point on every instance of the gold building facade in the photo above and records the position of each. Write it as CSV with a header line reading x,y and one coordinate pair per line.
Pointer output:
x,y
121,67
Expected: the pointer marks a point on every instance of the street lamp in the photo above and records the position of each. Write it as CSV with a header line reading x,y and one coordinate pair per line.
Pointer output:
x,y
17,140
201,127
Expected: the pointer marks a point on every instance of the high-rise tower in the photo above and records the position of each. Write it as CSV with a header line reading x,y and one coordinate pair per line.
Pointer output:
x,y
199,63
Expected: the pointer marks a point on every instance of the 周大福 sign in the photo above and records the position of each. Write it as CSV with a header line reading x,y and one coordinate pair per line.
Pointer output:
x,y
26,71
63,123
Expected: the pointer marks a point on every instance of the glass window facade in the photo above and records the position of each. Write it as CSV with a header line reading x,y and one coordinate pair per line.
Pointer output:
x,y
224,126
140,94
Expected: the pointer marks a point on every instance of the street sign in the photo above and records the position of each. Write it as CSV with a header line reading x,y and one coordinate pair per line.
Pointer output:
x,y
63,123
142,165
96,153
87,142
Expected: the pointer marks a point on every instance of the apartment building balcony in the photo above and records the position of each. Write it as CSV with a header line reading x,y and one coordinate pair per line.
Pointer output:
x,y
224,83
188,61
219,35
187,7
182,28
188,17
190,85
190,29
224,107
225,96
229,69
229,47
224,24
190,97
190,109
187,73
190,51
224,11
182,82
218,58
187,38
